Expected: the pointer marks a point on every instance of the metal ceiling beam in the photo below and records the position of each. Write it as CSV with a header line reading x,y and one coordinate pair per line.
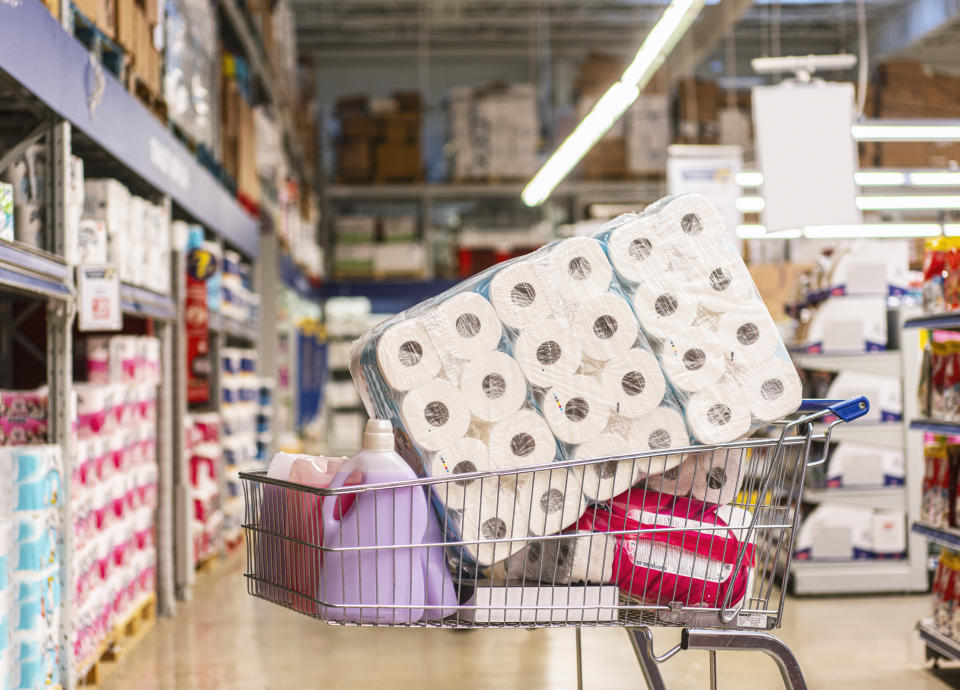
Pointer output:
x,y
909,23
705,35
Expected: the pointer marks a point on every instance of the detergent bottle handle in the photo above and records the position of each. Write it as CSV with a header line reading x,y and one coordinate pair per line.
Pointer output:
x,y
327,507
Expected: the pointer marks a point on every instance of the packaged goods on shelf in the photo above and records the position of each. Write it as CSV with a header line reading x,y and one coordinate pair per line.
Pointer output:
x,y
861,465
868,267
936,504
398,228
833,532
883,392
682,316
846,325
241,392
354,260
23,416
26,210
355,229
407,259
203,451
238,301
6,211
939,390
128,359
342,394
946,594
190,64
380,139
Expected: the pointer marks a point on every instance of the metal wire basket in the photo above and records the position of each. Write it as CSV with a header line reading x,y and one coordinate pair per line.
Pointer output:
x,y
692,537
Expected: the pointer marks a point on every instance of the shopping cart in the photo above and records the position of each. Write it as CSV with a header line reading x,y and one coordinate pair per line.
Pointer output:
x,y
721,565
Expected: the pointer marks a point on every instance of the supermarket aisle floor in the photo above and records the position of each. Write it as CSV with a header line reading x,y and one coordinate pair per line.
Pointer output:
x,y
226,639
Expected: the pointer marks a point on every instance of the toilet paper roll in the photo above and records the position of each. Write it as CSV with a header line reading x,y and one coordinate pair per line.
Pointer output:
x,y
604,480
518,296
772,390
576,409
436,415
659,430
638,251
497,513
690,223
522,439
715,477
554,500
467,326
692,359
406,356
493,387
467,455
717,416
580,557
580,268
547,353
663,310
605,326
748,337
634,382
720,284
671,482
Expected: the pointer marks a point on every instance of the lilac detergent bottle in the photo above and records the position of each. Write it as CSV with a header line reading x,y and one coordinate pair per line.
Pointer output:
x,y
378,578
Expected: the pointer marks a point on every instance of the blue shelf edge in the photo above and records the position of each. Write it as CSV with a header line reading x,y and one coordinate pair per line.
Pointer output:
x,y
389,297
51,64
934,425
945,536
30,270
950,319
136,301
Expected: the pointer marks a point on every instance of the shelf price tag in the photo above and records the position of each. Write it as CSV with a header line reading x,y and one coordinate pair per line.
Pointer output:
x,y
98,288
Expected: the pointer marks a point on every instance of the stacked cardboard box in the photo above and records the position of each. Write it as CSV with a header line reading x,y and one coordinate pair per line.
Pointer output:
x,y
384,247
494,131
910,90
135,21
103,13
380,139
238,138
698,110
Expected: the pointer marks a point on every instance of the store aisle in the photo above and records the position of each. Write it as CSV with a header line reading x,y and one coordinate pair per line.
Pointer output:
x,y
226,639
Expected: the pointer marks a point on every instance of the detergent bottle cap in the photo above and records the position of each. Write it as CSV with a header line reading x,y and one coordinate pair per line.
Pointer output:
x,y
378,435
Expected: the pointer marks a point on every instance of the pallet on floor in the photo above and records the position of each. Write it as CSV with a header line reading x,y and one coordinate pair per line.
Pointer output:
x,y
119,642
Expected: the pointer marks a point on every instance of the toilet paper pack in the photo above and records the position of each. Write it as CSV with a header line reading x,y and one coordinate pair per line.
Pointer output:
x,y
647,337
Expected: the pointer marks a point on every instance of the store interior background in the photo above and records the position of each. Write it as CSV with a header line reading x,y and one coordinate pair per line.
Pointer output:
x,y
339,162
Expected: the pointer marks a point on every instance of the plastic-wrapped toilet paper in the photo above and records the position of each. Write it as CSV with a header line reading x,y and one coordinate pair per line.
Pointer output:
x,y
547,352
671,482
467,455
406,356
554,499
692,359
493,387
722,284
638,252
772,390
748,337
603,481
664,310
659,430
634,381
495,512
605,326
716,416
466,326
435,414
576,409
714,477
520,440
580,557
518,296
580,268
691,224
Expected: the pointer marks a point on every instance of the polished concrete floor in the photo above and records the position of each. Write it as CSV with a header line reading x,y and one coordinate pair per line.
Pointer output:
x,y
224,638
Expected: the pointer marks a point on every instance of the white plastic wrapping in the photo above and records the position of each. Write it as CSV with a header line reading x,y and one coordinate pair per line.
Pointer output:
x,y
648,336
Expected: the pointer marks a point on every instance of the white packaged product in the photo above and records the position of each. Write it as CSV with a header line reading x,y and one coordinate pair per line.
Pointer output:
x,y
642,339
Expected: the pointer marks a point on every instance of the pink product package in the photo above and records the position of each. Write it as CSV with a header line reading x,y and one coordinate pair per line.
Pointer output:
x,y
18,431
32,404
98,359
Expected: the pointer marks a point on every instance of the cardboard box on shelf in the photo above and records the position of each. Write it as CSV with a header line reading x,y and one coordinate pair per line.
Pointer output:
x,y
355,160
127,25
606,160
100,12
398,163
401,128
358,126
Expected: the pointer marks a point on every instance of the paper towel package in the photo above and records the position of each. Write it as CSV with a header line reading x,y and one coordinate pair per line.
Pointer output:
x,y
648,336
848,324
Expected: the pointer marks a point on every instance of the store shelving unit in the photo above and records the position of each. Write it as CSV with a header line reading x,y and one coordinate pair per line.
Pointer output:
x,y
910,574
937,643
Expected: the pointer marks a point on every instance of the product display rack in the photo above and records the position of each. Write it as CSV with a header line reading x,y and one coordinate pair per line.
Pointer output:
x,y
47,80
938,644
868,575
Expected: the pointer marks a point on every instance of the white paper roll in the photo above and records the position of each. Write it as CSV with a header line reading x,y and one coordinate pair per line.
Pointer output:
x,y
580,269
468,326
690,223
748,337
554,499
638,251
493,387
659,430
604,480
435,414
522,439
606,326
715,477
722,283
772,390
406,356
496,512
576,409
634,382
692,359
547,353
663,310
716,416
518,296
671,482
467,455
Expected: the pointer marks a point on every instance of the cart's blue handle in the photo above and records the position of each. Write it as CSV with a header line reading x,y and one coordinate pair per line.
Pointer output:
x,y
847,410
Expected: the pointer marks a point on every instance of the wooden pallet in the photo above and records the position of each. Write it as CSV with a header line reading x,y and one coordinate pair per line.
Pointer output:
x,y
119,642
106,50
150,99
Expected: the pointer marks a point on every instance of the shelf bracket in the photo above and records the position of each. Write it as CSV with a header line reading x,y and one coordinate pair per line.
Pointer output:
x,y
17,150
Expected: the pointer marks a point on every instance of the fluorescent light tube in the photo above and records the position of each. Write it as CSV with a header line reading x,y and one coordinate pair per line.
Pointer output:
x,y
751,232
907,131
750,204
749,178
879,178
935,179
601,117
907,202
673,23
872,230
951,229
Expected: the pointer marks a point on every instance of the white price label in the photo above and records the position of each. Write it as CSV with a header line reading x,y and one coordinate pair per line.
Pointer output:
x,y
752,620
99,297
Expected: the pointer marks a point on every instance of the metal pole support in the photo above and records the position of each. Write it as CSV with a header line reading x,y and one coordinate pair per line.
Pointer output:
x,y
737,640
642,641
